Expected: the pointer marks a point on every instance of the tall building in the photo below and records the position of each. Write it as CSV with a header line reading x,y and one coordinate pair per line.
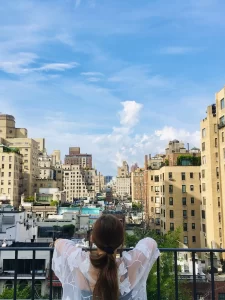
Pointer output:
x,y
77,158
108,179
99,182
29,148
78,182
10,175
213,174
123,181
46,167
170,189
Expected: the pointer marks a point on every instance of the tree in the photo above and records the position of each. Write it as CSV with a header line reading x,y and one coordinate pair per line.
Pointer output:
x,y
24,293
29,199
167,282
54,203
136,206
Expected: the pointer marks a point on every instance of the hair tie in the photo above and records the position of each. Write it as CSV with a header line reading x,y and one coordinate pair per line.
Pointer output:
x,y
108,250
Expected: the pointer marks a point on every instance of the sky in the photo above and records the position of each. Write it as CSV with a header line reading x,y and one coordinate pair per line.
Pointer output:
x,y
118,78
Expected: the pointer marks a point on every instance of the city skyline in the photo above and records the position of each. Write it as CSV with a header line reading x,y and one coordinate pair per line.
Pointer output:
x,y
117,85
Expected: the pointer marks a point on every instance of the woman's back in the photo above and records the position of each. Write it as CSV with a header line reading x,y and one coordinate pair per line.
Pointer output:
x,y
78,276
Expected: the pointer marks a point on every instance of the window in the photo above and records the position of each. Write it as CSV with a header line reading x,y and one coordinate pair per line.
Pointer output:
x,y
203,132
223,137
185,227
216,143
157,199
191,175
157,178
215,128
216,154
203,173
185,239
218,201
222,107
2,174
203,214
151,188
10,158
203,146
171,226
183,188
204,160
156,188
218,186
182,176
203,228
170,189
2,166
193,239
192,213
9,182
152,199
170,200
171,214
191,188
170,175
184,201
219,217
221,296
10,166
9,191
10,174
203,187
157,210
3,158
220,232
152,209
193,226
184,213
152,177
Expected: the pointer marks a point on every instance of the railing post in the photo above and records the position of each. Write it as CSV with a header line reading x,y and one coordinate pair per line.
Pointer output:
x,y
15,275
212,276
50,274
176,275
33,276
158,279
194,277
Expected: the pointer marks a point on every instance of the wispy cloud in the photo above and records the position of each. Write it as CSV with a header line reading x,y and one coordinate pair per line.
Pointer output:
x,y
57,66
176,50
92,74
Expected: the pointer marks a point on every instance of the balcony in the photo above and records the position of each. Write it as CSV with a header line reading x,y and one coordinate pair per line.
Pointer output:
x,y
201,286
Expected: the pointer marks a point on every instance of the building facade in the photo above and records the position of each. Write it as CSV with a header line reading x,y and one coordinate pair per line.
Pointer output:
x,y
123,181
77,158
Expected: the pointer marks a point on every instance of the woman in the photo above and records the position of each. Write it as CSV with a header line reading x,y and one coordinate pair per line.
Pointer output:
x,y
100,275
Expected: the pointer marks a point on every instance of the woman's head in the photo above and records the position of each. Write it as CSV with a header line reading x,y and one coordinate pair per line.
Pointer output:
x,y
108,235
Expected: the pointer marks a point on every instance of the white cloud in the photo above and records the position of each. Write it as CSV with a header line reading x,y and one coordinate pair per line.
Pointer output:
x,y
93,79
177,50
129,116
57,66
95,74
18,64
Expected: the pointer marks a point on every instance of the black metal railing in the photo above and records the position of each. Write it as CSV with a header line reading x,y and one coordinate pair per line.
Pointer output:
x,y
211,294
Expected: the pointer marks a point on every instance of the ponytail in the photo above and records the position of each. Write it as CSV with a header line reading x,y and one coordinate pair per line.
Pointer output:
x,y
107,285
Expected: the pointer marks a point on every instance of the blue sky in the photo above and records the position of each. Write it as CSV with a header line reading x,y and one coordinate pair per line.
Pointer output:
x,y
117,78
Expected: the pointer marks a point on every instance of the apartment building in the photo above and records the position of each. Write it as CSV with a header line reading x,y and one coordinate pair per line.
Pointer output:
x,y
123,181
99,182
77,158
46,167
170,186
29,148
78,182
213,172
10,175
137,185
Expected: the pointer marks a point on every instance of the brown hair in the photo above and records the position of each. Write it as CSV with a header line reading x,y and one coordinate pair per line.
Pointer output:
x,y
108,235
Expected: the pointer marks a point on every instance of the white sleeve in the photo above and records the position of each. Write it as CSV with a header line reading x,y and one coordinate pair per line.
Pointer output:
x,y
140,260
67,256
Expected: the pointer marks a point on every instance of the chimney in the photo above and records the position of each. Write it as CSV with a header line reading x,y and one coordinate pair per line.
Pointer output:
x,y
146,162
188,147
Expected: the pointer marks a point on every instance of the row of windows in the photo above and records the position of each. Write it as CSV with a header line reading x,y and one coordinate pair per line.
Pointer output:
x,y
185,214
4,158
184,200
157,178
185,226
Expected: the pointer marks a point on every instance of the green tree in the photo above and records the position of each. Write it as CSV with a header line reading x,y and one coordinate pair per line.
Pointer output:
x,y
29,199
136,206
54,203
167,281
24,293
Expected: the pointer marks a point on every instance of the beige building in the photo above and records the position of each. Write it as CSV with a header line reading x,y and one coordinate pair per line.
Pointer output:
x,y
29,148
46,166
78,182
123,181
213,174
99,182
137,185
172,192
84,160
10,175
